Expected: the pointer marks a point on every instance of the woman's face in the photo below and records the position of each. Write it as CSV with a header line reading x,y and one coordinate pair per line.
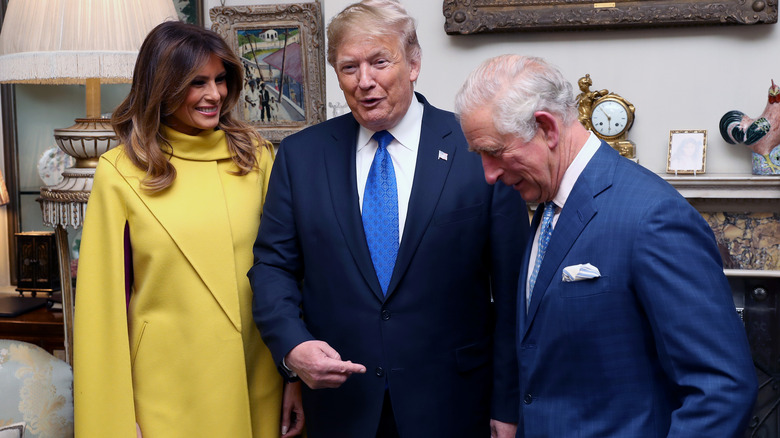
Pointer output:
x,y
203,104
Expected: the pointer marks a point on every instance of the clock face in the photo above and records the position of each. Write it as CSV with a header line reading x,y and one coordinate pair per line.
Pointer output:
x,y
610,118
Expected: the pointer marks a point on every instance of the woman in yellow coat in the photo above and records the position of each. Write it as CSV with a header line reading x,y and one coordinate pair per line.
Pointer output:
x,y
165,343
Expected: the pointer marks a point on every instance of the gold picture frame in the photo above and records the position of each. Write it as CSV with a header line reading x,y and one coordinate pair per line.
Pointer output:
x,y
687,153
282,49
478,16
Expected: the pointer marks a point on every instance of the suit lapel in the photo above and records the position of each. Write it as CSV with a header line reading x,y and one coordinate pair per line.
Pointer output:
x,y
430,175
342,181
580,208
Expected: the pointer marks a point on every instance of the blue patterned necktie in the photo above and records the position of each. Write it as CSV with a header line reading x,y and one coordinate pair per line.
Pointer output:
x,y
544,239
380,211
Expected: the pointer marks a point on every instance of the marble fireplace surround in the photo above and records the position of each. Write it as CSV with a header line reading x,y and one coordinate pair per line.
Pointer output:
x,y
744,213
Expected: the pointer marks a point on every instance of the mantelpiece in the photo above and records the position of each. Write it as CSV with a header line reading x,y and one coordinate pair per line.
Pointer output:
x,y
731,191
744,213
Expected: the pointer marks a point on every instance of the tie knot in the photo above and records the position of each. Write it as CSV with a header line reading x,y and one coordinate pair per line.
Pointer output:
x,y
549,209
383,138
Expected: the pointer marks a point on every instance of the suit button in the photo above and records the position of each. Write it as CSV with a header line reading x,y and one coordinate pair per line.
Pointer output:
x,y
380,372
385,315
528,399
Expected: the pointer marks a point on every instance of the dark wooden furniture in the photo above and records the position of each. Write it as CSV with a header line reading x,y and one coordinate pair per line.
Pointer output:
x,y
41,327
38,269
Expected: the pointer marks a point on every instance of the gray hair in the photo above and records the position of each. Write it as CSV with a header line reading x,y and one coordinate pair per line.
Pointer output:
x,y
515,87
378,18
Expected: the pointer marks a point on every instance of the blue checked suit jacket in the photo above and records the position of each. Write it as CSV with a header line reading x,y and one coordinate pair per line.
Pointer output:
x,y
652,348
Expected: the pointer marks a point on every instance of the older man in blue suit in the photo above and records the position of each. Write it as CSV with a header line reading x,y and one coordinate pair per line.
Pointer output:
x,y
385,266
626,325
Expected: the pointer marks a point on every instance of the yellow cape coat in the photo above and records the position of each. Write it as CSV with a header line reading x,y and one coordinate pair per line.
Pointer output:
x,y
185,359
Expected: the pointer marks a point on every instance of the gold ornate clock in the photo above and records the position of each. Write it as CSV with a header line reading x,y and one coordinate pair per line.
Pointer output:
x,y
608,115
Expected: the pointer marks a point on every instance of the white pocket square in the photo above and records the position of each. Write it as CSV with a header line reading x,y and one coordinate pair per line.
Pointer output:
x,y
580,272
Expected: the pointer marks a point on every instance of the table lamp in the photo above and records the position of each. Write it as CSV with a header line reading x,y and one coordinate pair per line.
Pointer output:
x,y
76,42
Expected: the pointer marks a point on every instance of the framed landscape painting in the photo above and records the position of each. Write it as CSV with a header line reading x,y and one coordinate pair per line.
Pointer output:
x,y
282,51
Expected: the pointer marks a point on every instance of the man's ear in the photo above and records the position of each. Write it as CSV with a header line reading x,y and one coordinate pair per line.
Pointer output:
x,y
414,70
549,127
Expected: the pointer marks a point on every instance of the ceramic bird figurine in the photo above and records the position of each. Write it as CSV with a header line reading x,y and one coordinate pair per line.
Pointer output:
x,y
761,135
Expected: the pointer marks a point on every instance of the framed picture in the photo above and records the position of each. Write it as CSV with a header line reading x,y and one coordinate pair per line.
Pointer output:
x,y
476,16
282,49
687,152
190,11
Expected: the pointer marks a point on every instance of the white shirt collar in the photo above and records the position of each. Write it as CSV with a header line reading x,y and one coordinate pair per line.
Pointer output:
x,y
575,169
406,132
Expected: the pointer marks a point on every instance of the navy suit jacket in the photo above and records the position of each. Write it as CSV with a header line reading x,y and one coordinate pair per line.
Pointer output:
x,y
439,343
653,347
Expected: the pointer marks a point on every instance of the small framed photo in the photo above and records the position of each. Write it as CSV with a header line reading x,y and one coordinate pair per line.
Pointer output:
x,y
687,152
282,48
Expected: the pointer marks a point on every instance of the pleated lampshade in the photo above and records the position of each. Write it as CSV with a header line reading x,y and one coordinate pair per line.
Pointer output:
x,y
69,41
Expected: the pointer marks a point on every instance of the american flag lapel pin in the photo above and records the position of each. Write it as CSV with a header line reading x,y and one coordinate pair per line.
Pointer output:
x,y
442,155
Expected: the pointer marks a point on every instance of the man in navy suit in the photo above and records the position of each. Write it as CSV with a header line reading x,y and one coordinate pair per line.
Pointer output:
x,y
420,345
629,329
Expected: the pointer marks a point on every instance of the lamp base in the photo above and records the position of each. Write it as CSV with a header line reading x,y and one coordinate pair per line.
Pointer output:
x,y
86,140
65,203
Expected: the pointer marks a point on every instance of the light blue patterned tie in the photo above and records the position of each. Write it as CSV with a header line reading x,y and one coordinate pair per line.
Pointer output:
x,y
544,239
380,211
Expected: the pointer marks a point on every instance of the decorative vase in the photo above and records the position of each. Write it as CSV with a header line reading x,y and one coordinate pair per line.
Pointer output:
x,y
767,165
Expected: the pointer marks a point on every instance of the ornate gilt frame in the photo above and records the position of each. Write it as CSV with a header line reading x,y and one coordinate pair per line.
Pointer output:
x,y
306,18
476,16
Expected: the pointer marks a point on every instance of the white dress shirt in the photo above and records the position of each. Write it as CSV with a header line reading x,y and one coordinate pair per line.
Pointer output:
x,y
403,151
